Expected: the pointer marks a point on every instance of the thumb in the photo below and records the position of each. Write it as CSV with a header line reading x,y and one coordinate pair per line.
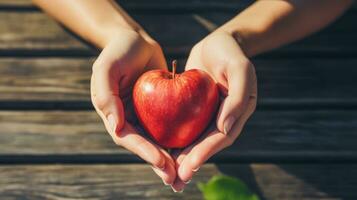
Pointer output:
x,y
108,105
112,111
234,105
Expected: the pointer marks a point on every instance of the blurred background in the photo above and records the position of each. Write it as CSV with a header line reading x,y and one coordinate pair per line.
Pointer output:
x,y
300,144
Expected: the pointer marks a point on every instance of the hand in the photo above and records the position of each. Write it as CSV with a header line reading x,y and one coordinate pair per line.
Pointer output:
x,y
221,56
115,71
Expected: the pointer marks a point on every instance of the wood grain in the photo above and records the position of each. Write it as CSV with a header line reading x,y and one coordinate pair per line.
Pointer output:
x,y
157,4
34,33
154,4
275,136
281,82
306,113
19,3
54,182
297,182
270,182
46,79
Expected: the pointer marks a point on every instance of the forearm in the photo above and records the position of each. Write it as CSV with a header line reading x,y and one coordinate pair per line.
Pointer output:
x,y
268,24
97,21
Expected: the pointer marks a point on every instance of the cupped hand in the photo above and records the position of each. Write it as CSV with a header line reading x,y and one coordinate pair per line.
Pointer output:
x,y
220,55
114,73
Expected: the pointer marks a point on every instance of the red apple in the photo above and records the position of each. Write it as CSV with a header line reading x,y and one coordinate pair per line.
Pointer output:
x,y
175,108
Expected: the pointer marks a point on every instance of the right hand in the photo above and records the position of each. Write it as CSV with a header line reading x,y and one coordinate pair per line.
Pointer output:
x,y
115,71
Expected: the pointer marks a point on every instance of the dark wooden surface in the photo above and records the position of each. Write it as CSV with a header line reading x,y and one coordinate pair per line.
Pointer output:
x,y
288,136
282,82
271,182
39,35
300,144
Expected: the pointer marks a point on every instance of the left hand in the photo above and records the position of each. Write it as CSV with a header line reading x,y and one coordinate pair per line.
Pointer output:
x,y
127,55
220,55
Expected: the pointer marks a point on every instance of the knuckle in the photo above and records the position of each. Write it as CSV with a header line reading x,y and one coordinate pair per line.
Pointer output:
x,y
96,66
241,63
100,66
158,160
239,105
240,102
101,101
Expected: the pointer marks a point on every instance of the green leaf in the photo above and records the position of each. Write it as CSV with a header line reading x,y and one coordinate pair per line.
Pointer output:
x,y
226,188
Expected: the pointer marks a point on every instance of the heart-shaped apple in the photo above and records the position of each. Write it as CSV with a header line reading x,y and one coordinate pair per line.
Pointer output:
x,y
175,108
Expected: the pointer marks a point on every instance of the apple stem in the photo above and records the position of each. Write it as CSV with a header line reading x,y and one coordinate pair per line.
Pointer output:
x,y
174,64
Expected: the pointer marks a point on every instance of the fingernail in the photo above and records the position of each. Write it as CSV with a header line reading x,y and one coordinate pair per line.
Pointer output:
x,y
228,124
195,170
111,122
177,191
187,182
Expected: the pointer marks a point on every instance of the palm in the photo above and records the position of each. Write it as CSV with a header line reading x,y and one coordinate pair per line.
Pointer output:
x,y
130,75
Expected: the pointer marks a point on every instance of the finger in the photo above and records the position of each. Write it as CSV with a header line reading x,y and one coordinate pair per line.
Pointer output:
x,y
178,186
168,175
238,127
198,154
107,103
145,149
240,81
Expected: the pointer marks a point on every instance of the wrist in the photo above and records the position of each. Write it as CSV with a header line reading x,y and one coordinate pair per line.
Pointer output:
x,y
106,35
238,37
247,36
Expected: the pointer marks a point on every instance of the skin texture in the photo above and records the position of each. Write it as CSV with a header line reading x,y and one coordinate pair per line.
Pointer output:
x,y
175,111
221,57
123,61
128,51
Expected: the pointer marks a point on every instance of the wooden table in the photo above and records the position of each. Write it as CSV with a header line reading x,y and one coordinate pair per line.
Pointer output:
x,y
299,145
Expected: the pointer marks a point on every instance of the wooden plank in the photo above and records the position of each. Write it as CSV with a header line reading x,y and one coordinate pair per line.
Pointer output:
x,y
270,182
46,79
33,33
39,33
288,136
155,4
54,133
306,81
297,182
281,82
53,182
20,3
